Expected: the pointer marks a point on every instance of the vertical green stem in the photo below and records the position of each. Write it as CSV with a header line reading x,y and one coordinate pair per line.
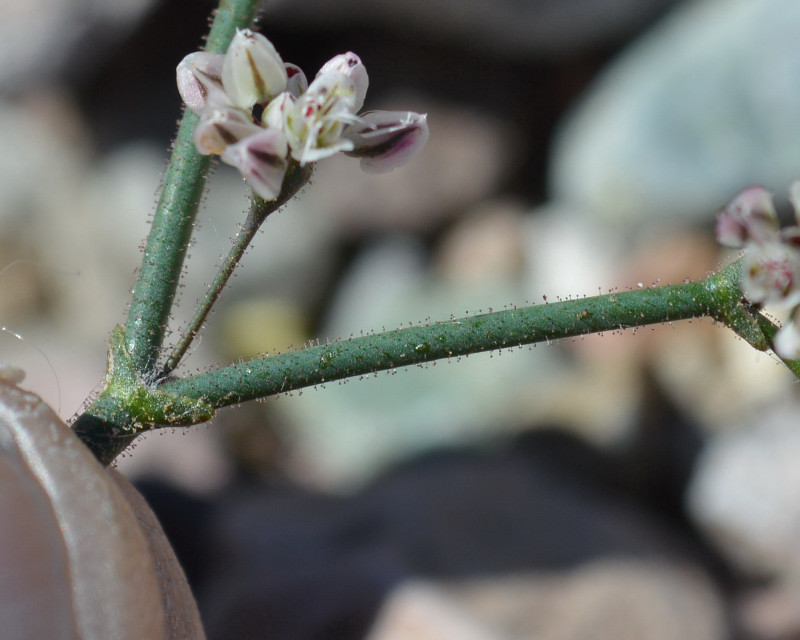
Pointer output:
x,y
164,253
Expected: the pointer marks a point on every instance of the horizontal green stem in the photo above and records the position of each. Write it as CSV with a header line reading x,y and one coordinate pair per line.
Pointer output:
x,y
131,404
413,345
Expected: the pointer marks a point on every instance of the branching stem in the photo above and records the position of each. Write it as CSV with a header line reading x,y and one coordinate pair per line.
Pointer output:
x,y
111,423
173,221
295,178
718,296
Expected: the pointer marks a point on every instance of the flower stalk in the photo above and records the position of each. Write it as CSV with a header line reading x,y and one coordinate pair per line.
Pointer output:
x,y
260,115
718,296
173,221
296,177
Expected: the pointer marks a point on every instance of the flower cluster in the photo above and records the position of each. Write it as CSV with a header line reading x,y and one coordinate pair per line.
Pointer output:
x,y
259,113
771,263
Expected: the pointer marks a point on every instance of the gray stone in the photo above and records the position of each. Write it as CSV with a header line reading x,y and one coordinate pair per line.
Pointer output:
x,y
704,105
607,599
38,38
744,493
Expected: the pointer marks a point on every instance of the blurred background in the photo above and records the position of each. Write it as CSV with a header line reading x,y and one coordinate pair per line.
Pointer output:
x,y
641,485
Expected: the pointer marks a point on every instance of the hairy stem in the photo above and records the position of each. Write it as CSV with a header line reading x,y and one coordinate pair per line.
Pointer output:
x,y
131,405
718,297
295,178
171,229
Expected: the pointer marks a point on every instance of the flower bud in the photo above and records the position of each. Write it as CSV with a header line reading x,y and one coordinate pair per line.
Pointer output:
x,y
350,65
297,83
252,72
750,216
387,139
222,127
274,115
261,159
199,80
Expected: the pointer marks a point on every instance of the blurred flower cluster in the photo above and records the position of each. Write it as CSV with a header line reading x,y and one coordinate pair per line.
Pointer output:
x,y
771,262
259,113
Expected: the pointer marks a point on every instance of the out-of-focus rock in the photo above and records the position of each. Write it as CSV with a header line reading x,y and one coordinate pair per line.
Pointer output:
x,y
259,326
704,105
771,612
744,493
529,533
421,610
37,39
608,599
485,245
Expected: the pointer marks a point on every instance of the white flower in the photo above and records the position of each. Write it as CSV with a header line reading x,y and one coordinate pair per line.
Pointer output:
x,y
315,121
297,83
771,274
771,262
252,72
259,113
219,128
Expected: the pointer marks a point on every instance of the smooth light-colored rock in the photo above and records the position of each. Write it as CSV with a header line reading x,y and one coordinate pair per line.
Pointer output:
x,y
744,492
705,104
606,599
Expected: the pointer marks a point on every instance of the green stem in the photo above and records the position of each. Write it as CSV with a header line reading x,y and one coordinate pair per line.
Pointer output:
x,y
718,297
131,404
171,229
295,178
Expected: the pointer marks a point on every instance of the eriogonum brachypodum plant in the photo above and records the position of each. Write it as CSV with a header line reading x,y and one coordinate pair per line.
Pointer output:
x,y
259,113
771,262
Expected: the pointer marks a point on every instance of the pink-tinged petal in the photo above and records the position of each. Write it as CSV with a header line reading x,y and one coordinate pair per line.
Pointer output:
x,y
350,65
750,216
261,159
791,236
199,80
771,274
252,72
296,83
387,139
220,128
787,340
